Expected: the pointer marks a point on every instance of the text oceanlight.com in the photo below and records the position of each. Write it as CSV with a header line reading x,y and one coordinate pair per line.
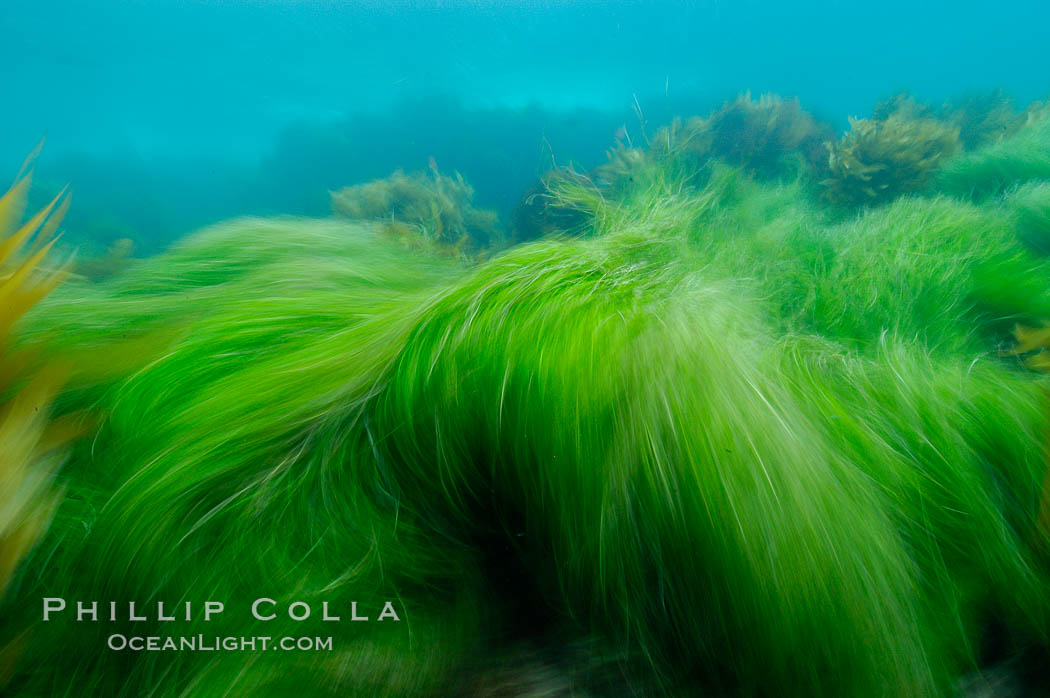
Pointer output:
x,y
200,643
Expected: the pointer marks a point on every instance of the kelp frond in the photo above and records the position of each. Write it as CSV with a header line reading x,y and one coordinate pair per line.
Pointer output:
x,y
27,436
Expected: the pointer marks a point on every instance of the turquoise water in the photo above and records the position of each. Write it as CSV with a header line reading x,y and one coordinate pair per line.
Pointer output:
x,y
165,115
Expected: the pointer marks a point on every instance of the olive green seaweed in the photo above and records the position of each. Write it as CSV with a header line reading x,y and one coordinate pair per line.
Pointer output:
x,y
876,161
758,136
426,207
981,117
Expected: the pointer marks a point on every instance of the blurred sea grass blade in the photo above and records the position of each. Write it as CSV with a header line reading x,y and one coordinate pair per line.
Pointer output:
x,y
993,169
26,439
20,237
12,206
25,473
27,164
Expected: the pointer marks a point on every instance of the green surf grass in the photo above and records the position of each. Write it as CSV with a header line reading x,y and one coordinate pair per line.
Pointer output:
x,y
992,169
741,444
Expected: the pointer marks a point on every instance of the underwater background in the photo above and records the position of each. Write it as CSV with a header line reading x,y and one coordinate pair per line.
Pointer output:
x,y
579,348
166,115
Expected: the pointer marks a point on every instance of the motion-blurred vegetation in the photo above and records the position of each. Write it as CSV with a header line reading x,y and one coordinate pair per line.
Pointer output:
x,y
30,442
746,410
